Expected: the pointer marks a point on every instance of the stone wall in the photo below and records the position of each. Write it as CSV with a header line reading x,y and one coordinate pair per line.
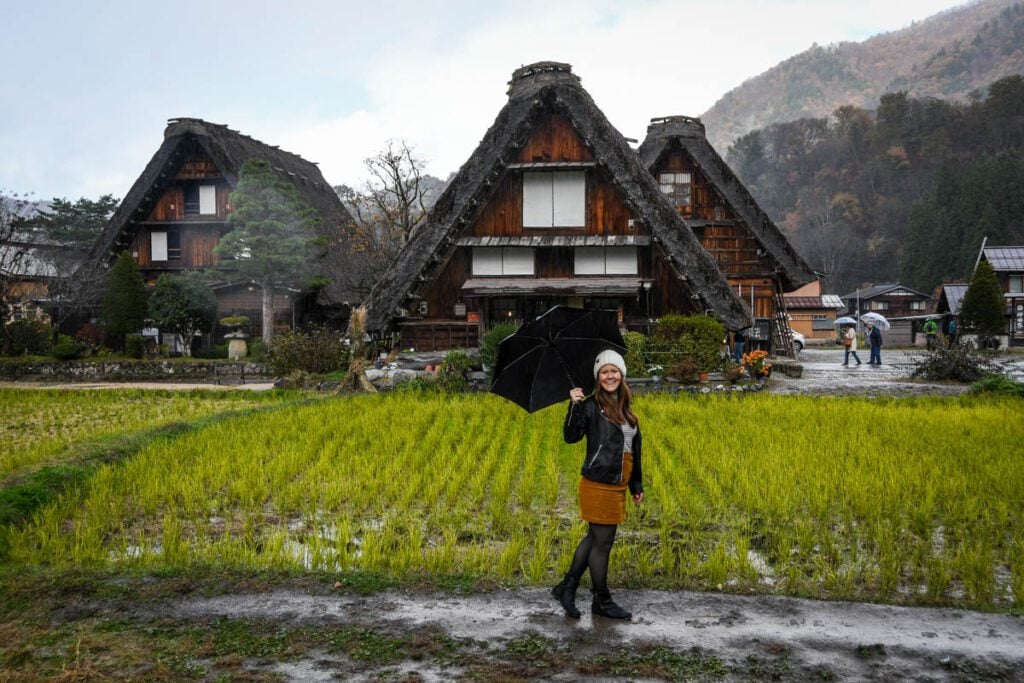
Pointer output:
x,y
133,370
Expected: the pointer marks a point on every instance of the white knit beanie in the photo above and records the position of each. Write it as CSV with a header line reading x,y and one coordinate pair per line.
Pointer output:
x,y
609,357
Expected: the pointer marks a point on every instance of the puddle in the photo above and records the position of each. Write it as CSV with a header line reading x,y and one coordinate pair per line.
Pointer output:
x,y
732,627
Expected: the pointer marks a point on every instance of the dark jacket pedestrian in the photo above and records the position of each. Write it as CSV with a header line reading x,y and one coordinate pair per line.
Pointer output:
x,y
611,465
874,336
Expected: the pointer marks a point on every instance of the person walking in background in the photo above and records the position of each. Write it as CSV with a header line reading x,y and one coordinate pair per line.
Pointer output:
x,y
611,464
738,341
850,342
951,338
874,338
931,331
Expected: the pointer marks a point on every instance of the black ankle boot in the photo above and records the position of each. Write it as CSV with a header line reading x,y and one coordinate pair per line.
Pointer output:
x,y
565,593
606,607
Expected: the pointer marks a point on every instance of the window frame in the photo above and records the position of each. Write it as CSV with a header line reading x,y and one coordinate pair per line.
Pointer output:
x,y
510,261
554,199
604,271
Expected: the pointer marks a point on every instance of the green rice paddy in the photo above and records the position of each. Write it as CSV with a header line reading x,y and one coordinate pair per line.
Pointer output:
x,y
917,501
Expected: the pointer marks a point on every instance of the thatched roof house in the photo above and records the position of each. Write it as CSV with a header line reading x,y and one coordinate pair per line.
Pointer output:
x,y
610,236
749,249
176,210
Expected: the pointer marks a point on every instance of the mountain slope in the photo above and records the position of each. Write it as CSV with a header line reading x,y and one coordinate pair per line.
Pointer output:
x,y
948,56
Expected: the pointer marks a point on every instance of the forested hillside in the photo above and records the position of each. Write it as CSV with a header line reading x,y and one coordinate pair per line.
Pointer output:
x,y
948,55
906,191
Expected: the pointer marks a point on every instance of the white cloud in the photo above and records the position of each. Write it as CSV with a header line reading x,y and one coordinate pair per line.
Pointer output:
x,y
649,59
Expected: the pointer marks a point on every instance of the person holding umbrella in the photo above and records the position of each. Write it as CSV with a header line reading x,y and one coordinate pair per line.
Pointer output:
x,y
850,342
874,336
612,464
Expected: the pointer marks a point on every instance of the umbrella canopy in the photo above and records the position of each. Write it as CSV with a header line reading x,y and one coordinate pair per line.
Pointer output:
x,y
876,319
545,358
845,320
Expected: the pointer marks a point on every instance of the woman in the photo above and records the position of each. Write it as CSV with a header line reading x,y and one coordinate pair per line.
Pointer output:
x,y
850,340
611,464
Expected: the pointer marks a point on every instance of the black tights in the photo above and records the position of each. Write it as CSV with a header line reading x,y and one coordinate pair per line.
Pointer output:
x,y
593,553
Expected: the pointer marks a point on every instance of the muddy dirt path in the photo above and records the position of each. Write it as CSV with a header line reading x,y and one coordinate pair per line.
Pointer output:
x,y
750,638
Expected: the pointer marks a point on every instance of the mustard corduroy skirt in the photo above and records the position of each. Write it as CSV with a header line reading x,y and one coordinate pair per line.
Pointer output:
x,y
605,503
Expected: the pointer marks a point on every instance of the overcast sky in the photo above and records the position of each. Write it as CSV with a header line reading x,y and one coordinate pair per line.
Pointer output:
x,y
88,87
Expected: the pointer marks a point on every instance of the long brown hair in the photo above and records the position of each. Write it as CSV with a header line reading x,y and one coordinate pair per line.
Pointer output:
x,y
617,406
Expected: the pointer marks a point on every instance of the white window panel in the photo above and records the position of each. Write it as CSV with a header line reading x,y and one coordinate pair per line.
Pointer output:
x,y
516,261
537,189
158,246
487,261
589,261
207,200
668,178
569,198
620,261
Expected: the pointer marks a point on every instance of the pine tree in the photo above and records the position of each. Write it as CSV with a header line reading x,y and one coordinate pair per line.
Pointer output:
x,y
983,310
272,242
124,304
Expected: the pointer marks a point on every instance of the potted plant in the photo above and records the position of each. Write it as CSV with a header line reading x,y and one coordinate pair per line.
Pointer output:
x,y
757,364
686,369
733,371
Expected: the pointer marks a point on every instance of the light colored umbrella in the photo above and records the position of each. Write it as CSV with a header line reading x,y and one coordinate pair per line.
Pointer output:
x,y
845,320
877,319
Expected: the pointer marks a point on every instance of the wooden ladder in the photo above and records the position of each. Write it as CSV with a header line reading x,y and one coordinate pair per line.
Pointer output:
x,y
782,339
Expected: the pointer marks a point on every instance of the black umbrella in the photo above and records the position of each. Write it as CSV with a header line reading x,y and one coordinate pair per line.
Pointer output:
x,y
545,358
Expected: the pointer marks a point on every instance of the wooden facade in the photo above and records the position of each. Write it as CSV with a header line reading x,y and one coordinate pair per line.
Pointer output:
x,y
487,255
176,213
747,247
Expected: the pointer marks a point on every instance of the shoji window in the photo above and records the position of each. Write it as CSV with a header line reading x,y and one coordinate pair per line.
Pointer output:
x,y
502,261
554,199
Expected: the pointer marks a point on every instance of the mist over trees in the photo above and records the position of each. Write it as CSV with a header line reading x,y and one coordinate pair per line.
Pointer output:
x,y
904,192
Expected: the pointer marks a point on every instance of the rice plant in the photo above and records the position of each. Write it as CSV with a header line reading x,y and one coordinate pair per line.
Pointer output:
x,y
913,500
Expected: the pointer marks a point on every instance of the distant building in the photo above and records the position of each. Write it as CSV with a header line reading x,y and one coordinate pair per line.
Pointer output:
x,y
891,300
812,313
1008,262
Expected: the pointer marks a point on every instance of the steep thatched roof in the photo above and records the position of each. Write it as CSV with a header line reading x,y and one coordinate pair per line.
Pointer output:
x,y
687,134
537,90
229,150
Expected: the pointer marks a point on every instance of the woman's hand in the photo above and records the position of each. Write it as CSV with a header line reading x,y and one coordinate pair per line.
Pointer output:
x,y
638,498
576,394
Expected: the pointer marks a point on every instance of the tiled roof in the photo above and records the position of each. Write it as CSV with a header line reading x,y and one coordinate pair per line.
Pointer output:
x,y
954,297
876,290
1005,258
824,301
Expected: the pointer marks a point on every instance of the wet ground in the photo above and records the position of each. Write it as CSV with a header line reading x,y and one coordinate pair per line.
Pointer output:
x,y
522,635
825,374
723,637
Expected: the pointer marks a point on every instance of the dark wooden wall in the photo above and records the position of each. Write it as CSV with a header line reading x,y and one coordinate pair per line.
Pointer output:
x,y
554,140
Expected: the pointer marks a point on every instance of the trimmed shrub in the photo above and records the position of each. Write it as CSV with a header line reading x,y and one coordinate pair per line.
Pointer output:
x,y
695,338
134,346
67,348
218,352
24,338
636,354
453,375
317,351
489,346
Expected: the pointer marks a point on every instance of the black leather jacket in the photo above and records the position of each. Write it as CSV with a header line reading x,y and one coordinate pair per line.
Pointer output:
x,y
603,462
